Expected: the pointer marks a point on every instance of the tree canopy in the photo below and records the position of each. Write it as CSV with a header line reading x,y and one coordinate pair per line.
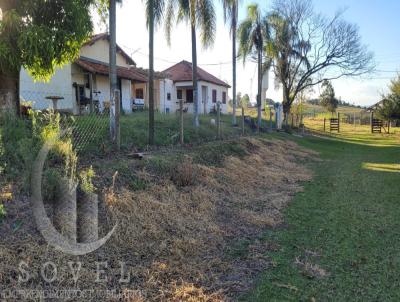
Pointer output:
x,y
41,36
327,98
389,108
200,14
307,48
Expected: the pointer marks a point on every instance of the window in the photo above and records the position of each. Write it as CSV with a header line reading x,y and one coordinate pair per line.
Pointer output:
x,y
214,96
139,93
168,96
223,97
189,96
179,94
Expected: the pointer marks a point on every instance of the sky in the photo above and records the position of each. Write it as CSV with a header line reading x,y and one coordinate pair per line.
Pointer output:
x,y
379,29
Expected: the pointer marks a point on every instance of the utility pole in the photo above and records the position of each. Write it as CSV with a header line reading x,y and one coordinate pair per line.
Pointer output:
x,y
114,98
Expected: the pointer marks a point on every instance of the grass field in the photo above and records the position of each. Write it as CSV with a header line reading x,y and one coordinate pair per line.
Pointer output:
x,y
341,239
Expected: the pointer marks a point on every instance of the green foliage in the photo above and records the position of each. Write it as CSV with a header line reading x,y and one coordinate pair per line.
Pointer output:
x,y
41,36
244,101
389,108
199,13
86,180
327,97
2,212
253,32
21,140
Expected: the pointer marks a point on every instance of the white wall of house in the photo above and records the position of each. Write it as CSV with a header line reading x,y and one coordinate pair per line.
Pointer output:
x,y
100,51
208,96
167,86
167,89
126,91
59,85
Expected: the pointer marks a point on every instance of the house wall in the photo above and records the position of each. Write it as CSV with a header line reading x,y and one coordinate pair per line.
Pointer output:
x,y
210,105
126,92
174,103
60,85
100,51
167,86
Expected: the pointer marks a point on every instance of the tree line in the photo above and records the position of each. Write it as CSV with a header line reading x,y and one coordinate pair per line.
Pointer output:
x,y
301,47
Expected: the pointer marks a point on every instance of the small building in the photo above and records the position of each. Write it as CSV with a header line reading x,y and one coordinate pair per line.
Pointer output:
x,y
178,85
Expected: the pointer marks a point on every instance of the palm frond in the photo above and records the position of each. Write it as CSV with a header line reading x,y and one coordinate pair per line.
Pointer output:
x,y
245,33
206,20
170,19
158,11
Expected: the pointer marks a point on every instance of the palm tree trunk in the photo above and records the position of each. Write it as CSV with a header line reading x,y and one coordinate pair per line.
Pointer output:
x,y
9,91
194,78
259,90
151,72
234,28
286,106
113,70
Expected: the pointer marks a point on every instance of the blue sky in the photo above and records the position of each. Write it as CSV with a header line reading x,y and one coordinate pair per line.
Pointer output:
x,y
378,23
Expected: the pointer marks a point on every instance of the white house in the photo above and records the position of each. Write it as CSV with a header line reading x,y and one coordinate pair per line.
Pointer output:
x,y
177,85
84,84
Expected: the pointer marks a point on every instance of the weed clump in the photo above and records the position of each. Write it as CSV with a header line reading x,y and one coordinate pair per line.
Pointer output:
x,y
185,173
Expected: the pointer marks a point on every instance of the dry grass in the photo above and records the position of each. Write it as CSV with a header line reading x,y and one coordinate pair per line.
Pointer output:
x,y
177,236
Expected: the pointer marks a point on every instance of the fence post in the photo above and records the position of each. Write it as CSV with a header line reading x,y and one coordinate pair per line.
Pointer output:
x,y
181,121
117,102
218,120
270,119
354,119
338,117
242,120
371,121
324,124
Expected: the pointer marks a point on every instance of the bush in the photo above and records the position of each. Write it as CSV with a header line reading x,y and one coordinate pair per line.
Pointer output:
x,y
2,212
21,140
185,173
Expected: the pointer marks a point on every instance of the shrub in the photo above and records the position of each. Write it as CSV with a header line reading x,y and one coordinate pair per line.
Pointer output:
x,y
185,173
86,180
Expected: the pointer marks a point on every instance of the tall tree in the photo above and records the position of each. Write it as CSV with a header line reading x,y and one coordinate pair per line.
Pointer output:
x,y
200,14
327,97
389,107
231,15
154,14
39,36
308,49
253,34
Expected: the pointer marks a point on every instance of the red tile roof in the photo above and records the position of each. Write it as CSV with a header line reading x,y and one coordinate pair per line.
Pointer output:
x,y
182,72
106,36
98,67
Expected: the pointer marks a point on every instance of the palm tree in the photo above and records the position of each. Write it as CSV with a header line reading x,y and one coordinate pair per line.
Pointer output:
x,y
200,13
231,13
154,14
253,35
114,114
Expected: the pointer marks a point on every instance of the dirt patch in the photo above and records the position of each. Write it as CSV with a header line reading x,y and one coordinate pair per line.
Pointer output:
x,y
191,232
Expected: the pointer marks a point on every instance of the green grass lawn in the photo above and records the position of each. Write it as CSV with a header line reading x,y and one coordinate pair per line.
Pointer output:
x,y
342,238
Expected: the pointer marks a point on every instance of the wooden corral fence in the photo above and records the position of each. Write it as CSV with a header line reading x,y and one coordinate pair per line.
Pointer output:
x,y
376,126
334,124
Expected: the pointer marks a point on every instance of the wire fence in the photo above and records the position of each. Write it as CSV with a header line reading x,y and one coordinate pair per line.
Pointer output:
x,y
90,123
